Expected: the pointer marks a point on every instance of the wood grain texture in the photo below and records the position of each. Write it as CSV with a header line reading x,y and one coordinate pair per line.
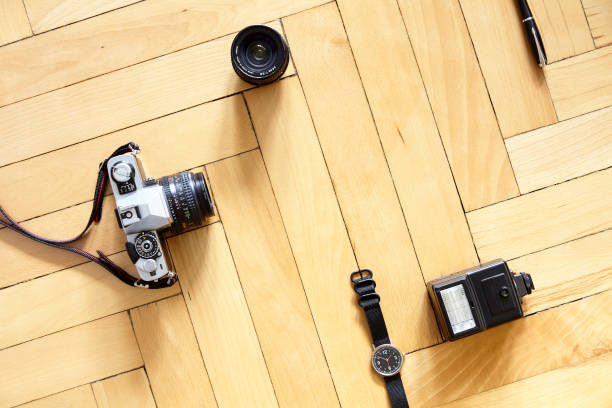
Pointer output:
x,y
79,397
221,319
66,359
514,80
48,14
119,99
572,386
322,250
544,218
129,36
567,272
171,354
581,84
170,144
271,282
562,151
14,24
409,136
510,352
129,390
599,15
563,26
459,99
359,171
25,259
68,298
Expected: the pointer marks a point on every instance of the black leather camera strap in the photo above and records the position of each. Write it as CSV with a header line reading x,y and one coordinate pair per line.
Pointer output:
x,y
369,300
96,214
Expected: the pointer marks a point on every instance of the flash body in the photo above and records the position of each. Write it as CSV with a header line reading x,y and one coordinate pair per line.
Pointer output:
x,y
475,299
147,207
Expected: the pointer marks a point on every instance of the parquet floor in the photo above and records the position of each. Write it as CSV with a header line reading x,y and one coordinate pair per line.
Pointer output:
x,y
412,137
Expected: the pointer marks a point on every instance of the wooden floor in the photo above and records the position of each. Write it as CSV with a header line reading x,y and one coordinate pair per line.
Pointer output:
x,y
412,137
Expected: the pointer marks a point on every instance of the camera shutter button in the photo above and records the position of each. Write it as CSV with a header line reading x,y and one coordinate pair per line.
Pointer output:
x,y
149,265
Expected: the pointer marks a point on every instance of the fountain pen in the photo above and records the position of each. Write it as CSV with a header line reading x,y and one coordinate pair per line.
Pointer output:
x,y
533,34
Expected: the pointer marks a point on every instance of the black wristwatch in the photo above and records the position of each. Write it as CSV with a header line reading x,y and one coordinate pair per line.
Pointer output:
x,y
386,359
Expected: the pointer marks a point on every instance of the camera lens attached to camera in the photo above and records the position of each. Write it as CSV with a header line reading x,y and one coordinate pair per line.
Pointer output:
x,y
188,199
260,54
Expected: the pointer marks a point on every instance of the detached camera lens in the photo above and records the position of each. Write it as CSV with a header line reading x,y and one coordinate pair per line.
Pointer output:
x,y
188,199
260,55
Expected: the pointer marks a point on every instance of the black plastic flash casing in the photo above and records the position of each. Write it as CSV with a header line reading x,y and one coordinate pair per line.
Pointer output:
x,y
475,299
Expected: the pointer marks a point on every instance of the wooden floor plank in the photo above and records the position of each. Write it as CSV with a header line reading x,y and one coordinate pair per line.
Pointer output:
x,y
271,282
322,249
567,272
170,144
544,218
80,397
562,151
510,352
171,354
359,171
581,84
14,24
514,80
68,298
49,14
408,133
460,102
66,359
599,15
129,390
221,319
562,388
128,36
563,26
25,259
119,99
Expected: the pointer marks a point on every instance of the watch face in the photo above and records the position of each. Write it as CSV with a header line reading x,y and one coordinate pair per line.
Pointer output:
x,y
387,360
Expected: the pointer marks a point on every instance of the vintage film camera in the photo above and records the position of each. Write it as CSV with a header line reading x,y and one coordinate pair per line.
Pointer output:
x,y
147,206
475,299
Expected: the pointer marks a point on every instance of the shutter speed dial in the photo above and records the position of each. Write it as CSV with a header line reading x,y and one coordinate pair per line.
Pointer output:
x,y
122,172
147,246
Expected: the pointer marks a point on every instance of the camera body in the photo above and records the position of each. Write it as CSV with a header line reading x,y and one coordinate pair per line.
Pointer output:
x,y
475,299
145,207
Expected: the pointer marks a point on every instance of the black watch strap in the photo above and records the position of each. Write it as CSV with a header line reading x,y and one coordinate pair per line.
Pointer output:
x,y
396,392
369,300
365,287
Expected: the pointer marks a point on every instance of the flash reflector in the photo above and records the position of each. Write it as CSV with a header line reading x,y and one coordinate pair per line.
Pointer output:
x,y
475,299
457,307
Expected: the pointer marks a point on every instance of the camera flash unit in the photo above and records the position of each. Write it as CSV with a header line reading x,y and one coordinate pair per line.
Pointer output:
x,y
475,299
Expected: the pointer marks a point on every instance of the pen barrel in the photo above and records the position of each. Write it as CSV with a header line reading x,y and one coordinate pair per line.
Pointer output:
x,y
535,41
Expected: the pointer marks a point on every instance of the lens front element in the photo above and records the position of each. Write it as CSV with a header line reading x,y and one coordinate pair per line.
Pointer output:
x,y
259,54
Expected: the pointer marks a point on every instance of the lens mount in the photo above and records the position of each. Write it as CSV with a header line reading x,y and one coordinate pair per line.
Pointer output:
x,y
260,54
188,199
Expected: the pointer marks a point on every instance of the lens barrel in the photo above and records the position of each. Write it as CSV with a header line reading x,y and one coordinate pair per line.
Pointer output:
x,y
188,199
260,54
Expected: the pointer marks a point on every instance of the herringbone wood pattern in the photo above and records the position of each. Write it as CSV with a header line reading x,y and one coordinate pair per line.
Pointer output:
x,y
412,137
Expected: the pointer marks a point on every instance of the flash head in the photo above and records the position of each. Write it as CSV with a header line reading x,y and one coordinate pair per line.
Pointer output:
x,y
475,299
